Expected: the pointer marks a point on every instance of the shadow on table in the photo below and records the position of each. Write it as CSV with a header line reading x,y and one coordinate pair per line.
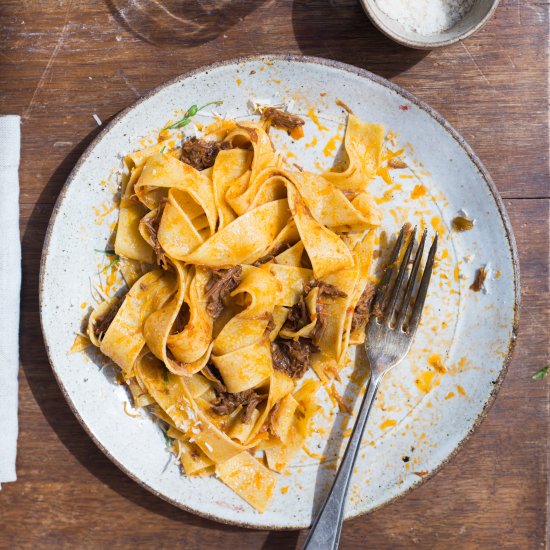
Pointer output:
x,y
180,22
348,36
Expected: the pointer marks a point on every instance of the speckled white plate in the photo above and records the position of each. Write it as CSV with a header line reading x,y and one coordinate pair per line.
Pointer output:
x,y
422,416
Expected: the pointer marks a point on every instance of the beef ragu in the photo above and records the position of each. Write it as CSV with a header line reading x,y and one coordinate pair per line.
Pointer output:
x,y
281,247
479,281
281,119
299,316
326,290
270,325
201,154
361,313
221,283
103,323
292,356
152,225
226,402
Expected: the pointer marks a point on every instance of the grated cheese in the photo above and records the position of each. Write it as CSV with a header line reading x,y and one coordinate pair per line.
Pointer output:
x,y
425,16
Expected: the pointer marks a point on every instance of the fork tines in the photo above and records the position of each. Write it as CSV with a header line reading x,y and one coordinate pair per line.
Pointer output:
x,y
391,303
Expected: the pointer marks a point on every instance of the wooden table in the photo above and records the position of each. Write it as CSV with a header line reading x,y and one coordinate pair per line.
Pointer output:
x,y
60,62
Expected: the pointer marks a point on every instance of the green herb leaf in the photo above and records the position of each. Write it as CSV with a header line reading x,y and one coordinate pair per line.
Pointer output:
x,y
542,373
211,103
163,149
191,112
167,440
105,251
183,123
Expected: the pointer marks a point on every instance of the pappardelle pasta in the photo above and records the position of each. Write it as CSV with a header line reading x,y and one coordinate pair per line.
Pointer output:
x,y
243,277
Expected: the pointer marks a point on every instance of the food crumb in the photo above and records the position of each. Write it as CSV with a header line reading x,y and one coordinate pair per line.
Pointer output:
x,y
462,223
397,164
479,281
344,106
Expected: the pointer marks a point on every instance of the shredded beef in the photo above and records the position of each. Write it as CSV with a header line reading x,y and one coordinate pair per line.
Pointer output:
x,y
222,282
299,315
320,323
226,403
292,356
270,325
102,324
152,224
326,290
201,154
362,309
272,415
282,119
479,281
281,247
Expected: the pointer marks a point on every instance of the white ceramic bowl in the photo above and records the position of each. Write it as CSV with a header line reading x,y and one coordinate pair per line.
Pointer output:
x,y
475,19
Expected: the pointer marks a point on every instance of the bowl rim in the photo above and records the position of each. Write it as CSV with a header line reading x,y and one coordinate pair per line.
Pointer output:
x,y
420,44
363,73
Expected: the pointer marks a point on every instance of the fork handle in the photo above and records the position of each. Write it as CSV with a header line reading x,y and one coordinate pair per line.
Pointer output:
x,y
326,528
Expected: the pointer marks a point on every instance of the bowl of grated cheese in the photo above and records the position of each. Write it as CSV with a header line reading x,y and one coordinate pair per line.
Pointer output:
x,y
429,24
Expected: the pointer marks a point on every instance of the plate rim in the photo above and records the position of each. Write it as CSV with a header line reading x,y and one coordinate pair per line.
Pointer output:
x,y
363,73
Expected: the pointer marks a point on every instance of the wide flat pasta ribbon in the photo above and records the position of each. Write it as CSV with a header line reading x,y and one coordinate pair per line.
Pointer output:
x,y
231,169
129,242
326,250
187,350
171,393
244,239
241,351
124,339
363,146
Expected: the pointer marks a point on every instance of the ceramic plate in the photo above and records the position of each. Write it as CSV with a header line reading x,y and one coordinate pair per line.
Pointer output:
x,y
427,406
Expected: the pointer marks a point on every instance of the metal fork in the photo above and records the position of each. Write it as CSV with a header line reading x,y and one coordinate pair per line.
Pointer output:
x,y
389,335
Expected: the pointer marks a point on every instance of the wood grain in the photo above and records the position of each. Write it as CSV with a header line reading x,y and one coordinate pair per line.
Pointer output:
x,y
61,62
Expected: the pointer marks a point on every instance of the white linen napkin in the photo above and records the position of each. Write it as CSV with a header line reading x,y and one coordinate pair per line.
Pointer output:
x,y
10,285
